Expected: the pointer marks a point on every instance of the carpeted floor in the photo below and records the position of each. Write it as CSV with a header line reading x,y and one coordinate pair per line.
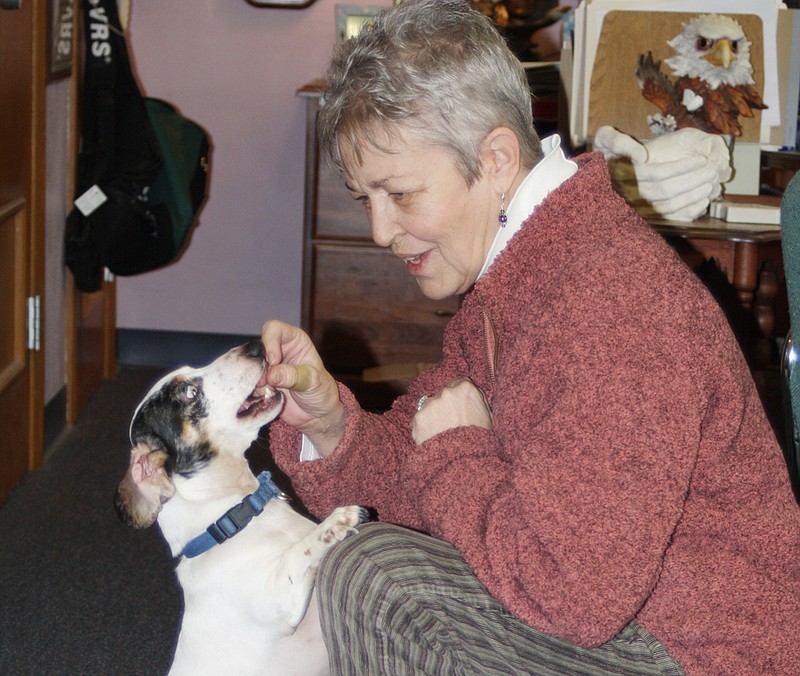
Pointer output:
x,y
80,593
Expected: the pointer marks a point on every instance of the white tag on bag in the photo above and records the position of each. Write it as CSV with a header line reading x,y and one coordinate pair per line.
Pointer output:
x,y
91,200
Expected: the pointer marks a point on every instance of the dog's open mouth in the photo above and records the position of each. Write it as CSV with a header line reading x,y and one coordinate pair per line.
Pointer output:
x,y
260,399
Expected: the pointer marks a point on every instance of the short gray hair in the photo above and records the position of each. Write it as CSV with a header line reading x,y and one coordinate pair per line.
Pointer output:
x,y
435,67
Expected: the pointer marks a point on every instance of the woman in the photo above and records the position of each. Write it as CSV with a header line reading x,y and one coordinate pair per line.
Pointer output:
x,y
591,458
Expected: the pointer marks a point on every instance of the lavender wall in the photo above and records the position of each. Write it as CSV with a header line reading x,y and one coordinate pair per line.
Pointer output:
x,y
234,68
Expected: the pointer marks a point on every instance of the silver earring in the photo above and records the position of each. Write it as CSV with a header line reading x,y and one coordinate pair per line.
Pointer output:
x,y
502,218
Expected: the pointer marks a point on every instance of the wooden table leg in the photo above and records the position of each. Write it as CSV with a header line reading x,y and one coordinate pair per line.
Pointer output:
x,y
757,287
764,311
745,272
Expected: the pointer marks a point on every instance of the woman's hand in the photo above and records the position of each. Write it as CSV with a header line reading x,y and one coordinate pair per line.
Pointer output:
x,y
312,405
460,403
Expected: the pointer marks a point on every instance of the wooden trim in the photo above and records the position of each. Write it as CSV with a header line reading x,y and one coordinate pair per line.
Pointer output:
x,y
71,291
71,351
37,226
312,101
14,214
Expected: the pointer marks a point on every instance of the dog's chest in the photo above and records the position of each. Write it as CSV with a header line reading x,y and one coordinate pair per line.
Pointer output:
x,y
237,593
248,556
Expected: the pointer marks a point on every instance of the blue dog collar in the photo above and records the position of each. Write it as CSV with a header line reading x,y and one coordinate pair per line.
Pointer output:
x,y
236,518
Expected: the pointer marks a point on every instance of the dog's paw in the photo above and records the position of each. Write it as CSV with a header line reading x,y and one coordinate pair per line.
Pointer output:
x,y
341,523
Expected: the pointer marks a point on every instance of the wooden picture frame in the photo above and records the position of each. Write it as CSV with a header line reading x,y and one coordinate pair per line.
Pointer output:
x,y
282,4
615,97
351,18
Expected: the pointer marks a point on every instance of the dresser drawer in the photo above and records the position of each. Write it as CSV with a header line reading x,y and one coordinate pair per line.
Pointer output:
x,y
367,310
338,215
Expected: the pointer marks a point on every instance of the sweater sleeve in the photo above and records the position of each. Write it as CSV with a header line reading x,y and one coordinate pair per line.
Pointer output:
x,y
363,469
369,465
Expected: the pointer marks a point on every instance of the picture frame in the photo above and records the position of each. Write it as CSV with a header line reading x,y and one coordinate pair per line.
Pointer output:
x,y
350,19
61,29
282,4
614,94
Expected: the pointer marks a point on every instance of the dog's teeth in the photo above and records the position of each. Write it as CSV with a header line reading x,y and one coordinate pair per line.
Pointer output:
x,y
260,391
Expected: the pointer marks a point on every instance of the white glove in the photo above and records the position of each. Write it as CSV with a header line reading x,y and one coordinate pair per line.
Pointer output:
x,y
676,175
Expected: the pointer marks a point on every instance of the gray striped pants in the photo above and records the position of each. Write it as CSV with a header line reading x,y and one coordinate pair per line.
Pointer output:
x,y
395,602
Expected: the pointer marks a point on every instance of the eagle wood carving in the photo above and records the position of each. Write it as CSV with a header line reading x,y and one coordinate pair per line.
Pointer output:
x,y
714,84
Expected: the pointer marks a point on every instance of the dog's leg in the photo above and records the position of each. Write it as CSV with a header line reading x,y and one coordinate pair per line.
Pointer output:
x,y
303,558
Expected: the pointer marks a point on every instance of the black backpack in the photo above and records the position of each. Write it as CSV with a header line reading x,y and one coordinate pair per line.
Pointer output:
x,y
142,167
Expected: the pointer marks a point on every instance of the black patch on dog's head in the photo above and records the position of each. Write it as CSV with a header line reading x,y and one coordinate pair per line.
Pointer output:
x,y
172,419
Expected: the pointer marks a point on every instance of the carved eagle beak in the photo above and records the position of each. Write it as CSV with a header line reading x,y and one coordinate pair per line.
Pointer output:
x,y
722,54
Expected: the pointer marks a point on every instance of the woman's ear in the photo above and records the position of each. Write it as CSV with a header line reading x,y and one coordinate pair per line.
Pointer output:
x,y
502,157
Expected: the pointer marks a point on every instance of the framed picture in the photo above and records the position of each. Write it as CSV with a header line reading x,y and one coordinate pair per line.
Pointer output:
x,y
350,19
61,27
295,4
614,93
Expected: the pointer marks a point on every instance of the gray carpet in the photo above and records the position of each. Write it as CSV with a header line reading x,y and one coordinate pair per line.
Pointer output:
x,y
80,593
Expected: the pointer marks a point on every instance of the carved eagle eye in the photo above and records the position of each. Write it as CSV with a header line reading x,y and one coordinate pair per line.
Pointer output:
x,y
704,43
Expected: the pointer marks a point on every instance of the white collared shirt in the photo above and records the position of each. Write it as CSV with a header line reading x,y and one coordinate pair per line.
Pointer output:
x,y
549,173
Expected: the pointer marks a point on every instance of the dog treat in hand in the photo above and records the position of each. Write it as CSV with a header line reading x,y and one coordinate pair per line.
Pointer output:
x,y
303,378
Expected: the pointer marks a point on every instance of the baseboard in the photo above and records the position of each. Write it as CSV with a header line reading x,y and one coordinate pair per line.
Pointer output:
x,y
170,349
55,418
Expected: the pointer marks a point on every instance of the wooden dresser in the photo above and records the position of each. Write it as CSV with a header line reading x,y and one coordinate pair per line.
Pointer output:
x,y
370,322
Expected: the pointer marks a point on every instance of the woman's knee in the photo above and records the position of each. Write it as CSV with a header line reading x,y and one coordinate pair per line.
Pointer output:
x,y
352,572
358,551
394,557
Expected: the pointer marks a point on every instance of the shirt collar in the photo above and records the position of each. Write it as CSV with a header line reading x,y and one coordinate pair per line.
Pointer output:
x,y
549,173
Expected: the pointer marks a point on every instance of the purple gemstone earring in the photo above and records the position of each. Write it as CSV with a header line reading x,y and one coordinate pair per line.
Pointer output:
x,y
502,218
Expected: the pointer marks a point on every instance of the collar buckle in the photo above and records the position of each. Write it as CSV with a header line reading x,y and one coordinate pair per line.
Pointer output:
x,y
236,518
230,523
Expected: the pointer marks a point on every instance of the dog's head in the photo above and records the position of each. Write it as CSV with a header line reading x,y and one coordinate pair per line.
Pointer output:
x,y
187,420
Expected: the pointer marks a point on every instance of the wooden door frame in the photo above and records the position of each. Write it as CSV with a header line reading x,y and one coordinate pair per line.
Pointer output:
x,y
36,279
83,369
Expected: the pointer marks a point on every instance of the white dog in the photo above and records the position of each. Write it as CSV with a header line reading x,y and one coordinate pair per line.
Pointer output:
x,y
247,559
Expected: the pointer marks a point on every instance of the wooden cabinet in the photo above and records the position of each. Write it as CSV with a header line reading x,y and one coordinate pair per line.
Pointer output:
x,y
370,322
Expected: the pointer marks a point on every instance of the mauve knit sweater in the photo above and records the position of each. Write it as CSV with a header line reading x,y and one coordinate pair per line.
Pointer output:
x,y
631,472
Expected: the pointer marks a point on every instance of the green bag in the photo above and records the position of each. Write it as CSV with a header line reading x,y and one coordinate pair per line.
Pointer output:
x,y
181,183
142,167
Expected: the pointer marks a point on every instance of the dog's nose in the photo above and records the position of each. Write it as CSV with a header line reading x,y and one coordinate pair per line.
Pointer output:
x,y
254,349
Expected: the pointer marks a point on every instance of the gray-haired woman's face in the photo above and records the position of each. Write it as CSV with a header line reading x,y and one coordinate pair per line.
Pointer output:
x,y
420,206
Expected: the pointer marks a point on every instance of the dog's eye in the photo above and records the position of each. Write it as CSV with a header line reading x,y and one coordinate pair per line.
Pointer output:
x,y
190,391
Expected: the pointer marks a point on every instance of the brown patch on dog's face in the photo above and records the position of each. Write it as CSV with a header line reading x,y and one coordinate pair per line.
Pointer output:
x,y
191,434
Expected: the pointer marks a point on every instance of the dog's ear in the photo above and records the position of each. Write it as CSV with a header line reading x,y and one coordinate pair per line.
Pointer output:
x,y
145,488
